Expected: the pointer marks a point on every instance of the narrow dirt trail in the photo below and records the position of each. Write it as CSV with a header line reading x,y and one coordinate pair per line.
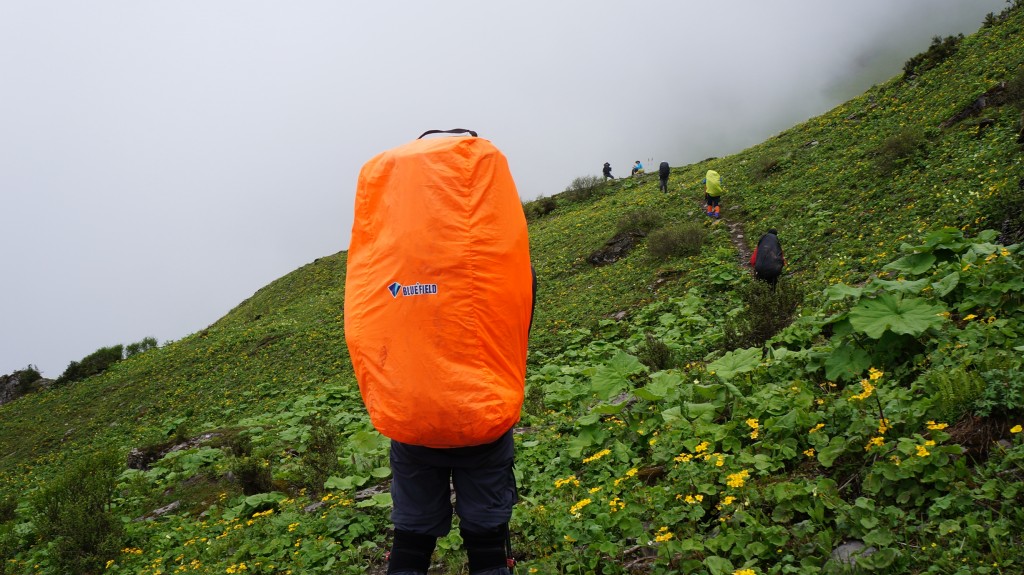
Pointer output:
x,y
737,234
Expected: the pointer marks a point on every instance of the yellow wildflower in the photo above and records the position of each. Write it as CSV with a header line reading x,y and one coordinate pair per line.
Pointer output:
x,y
663,535
744,572
969,317
737,479
1016,429
598,455
816,428
702,447
754,425
922,451
728,500
875,374
875,442
937,426
579,505
809,452
868,390
571,479
883,426
683,458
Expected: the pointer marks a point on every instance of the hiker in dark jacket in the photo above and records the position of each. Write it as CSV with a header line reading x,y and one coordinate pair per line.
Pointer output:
x,y
607,171
767,259
663,176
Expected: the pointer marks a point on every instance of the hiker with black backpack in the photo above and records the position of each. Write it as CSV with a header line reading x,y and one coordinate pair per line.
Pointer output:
x,y
439,296
767,259
607,171
663,171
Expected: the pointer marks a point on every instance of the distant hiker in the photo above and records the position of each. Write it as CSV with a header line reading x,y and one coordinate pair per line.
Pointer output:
x,y
663,176
607,171
437,327
638,168
767,259
712,193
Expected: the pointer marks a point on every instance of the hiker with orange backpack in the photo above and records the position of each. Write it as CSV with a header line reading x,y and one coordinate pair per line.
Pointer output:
x,y
439,296
712,193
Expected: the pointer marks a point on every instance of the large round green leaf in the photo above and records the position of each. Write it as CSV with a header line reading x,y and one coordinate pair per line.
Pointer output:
x,y
907,316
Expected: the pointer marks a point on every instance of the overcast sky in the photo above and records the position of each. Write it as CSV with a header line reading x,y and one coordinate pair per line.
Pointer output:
x,y
162,161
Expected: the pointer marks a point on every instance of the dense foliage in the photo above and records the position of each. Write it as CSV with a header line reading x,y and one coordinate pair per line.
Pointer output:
x,y
659,434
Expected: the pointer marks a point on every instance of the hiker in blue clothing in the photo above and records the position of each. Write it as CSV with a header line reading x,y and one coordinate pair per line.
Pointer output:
x,y
638,168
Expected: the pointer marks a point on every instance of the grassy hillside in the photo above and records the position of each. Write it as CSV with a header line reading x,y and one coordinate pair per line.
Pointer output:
x,y
661,432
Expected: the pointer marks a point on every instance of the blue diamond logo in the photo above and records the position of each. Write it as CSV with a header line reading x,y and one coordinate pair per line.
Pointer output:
x,y
394,288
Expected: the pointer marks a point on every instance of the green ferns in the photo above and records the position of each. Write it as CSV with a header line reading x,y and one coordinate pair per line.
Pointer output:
x,y
954,391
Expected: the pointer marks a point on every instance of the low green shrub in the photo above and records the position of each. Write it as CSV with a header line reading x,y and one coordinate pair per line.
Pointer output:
x,y
1015,90
764,166
74,514
765,313
138,347
253,474
93,364
678,240
642,220
898,148
937,53
1003,395
539,208
8,547
8,505
29,375
583,188
320,459
656,354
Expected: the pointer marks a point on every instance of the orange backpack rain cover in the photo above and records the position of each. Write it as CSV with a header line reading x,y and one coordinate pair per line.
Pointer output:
x,y
438,293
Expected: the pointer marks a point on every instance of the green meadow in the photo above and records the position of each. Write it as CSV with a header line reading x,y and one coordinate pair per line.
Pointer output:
x,y
865,417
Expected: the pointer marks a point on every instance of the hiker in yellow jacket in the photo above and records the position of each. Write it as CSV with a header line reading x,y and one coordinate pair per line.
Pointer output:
x,y
712,193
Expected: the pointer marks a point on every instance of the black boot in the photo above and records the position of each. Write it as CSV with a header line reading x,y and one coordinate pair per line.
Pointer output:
x,y
486,550
410,553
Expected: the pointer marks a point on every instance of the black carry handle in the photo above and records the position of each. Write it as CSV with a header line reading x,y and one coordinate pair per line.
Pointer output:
x,y
455,131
